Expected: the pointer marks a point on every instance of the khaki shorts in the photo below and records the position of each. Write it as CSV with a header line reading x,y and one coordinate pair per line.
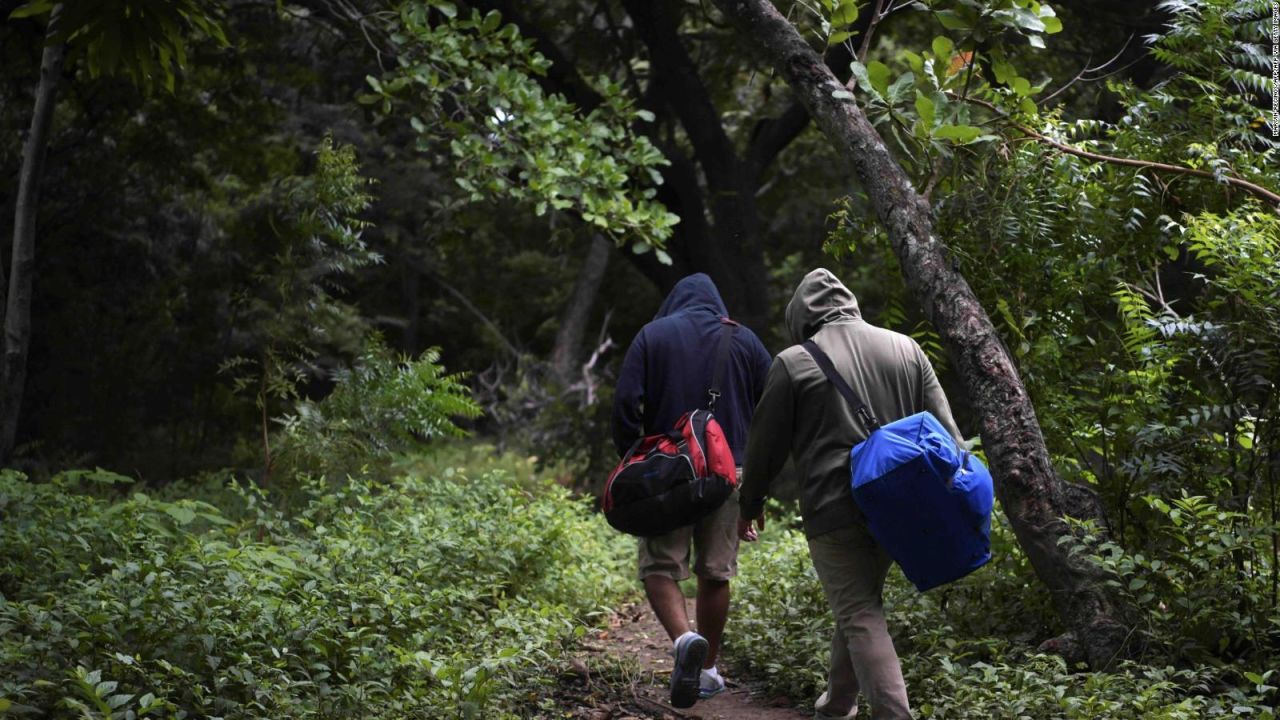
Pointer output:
x,y
715,542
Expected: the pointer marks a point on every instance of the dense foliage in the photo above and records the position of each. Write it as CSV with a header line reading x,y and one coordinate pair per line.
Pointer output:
x,y
442,592
1140,307
266,228
958,654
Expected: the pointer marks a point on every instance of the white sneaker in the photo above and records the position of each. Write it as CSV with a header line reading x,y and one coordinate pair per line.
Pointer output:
x,y
690,650
710,685
820,713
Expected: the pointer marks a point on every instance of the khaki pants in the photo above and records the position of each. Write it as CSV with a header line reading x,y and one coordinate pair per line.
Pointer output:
x,y
852,568
714,538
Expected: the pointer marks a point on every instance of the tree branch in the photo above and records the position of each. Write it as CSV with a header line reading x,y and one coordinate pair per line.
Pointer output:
x,y
876,16
679,82
679,190
1034,498
1255,189
563,77
772,135
421,267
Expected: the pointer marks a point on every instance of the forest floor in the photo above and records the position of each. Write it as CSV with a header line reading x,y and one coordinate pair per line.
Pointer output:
x,y
622,673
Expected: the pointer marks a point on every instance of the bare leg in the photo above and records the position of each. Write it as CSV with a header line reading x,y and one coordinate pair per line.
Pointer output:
x,y
668,604
712,611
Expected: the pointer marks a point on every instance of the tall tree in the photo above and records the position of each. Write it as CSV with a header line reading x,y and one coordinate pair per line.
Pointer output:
x,y
577,311
716,171
1033,496
142,39
17,306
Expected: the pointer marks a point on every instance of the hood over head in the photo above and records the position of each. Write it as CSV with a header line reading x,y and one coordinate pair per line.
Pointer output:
x,y
693,291
819,299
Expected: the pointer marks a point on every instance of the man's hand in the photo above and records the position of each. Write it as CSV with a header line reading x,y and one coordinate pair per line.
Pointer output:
x,y
748,533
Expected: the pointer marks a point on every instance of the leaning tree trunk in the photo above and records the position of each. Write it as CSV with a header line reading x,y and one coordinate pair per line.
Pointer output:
x,y
17,311
1035,499
573,322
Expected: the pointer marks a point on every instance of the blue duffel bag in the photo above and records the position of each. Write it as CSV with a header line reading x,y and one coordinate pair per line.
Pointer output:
x,y
927,502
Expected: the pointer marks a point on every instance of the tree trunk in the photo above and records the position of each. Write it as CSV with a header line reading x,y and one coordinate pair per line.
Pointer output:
x,y
729,249
17,310
714,190
410,290
1035,499
573,322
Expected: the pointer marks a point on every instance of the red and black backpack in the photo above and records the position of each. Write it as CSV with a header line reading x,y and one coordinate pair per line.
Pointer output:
x,y
672,479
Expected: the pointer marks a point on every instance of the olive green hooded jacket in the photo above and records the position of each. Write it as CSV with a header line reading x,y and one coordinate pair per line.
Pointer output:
x,y
801,415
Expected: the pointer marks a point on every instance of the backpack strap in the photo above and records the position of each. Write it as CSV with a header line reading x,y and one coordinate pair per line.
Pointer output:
x,y
859,408
727,327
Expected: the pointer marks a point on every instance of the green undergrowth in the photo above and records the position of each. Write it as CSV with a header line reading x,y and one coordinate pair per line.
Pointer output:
x,y
441,593
968,650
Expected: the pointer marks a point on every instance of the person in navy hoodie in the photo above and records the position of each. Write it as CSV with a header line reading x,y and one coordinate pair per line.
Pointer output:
x,y
667,372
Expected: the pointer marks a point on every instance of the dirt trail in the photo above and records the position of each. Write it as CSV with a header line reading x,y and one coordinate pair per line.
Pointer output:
x,y
622,673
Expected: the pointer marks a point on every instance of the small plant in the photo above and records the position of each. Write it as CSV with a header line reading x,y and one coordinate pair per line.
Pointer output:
x,y
381,405
288,314
1177,586
438,593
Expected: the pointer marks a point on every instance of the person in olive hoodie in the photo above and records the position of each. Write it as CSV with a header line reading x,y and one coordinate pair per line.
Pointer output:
x,y
667,372
801,415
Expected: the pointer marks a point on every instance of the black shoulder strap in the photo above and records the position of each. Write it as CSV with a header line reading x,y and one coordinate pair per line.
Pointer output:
x,y
859,408
727,327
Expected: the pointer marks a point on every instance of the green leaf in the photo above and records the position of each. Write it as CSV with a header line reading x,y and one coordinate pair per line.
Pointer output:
x,y
878,74
1052,25
1021,86
914,61
943,47
900,87
1028,20
491,21
182,515
1004,71
960,133
838,37
32,9
863,80
846,14
952,20
925,108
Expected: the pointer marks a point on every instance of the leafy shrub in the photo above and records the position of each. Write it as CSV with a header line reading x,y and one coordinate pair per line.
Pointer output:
x,y
287,315
433,595
381,405
1177,586
779,626
780,630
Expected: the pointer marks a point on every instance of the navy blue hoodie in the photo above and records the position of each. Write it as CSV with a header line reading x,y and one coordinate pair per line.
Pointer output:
x,y
669,368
